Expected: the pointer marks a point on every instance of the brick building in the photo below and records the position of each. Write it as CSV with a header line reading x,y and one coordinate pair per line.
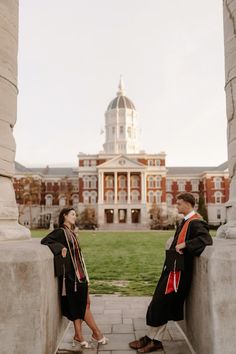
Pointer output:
x,y
121,183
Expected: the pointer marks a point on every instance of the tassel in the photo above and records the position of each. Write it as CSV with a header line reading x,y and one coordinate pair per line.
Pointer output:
x,y
64,282
75,285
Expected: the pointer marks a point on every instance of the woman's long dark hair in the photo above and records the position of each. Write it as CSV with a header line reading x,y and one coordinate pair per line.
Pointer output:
x,y
64,211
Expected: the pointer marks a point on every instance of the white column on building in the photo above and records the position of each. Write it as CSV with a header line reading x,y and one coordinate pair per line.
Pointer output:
x,y
9,227
115,187
101,188
143,187
128,187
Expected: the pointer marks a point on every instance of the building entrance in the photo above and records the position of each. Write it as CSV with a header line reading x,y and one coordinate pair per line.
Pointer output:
x,y
109,216
122,213
135,216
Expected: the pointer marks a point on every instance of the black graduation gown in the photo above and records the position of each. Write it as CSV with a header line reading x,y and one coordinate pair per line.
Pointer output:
x,y
73,305
164,308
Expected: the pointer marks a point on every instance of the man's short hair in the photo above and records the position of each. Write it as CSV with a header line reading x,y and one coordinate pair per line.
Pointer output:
x,y
187,197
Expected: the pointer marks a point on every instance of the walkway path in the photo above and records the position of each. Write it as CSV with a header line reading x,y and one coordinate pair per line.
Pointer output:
x,y
122,319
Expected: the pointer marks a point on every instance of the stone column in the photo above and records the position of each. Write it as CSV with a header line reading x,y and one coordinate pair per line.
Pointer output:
x,y
9,227
143,187
229,230
115,187
101,188
128,187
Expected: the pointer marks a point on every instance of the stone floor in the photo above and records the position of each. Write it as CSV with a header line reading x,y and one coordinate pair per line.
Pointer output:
x,y
122,319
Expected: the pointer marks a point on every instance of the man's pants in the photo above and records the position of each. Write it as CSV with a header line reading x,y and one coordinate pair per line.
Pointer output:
x,y
156,333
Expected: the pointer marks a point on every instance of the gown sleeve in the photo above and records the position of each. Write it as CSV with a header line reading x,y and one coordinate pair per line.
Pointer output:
x,y
198,237
55,241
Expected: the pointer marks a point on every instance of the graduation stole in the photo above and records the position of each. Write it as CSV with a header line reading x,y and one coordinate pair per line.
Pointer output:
x,y
174,276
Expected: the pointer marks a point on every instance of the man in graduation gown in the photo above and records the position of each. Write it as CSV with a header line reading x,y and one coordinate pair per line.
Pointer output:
x,y
191,238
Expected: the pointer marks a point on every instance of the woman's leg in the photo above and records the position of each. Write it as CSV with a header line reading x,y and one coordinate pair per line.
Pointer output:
x,y
88,318
78,330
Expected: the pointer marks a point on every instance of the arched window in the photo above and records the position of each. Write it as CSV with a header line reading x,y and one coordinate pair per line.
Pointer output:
x,y
217,182
93,197
122,196
158,182
168,185
86,182
150,182
169,200
62,201
135,196
86,197
158,197
48,200
151,197
218,197
134,181
93,182
122,181
75,200
109,197
109,181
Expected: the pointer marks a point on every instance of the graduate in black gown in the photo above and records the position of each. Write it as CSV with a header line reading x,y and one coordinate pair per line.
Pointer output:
x,y
190,239
73,277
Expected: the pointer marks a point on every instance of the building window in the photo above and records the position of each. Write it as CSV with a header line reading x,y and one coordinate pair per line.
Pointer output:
x,y
129,132
168,185
75,201
151,197
196,196
150,182
181,186
135,196
93,197
86,197
169,200
218,197
109,182
134,181
218,214
113,130
195,184
86,182
150,163
121,130
93,182
122,196
158,182
158,162
158,197
217,183
48,200
109,197
122,182
86,163
62,201
93,163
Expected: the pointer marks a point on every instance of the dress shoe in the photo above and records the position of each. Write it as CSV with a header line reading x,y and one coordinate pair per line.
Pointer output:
x,y
136,344
151,347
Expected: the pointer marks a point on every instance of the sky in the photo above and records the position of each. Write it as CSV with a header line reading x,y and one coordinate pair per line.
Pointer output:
x,y
72,53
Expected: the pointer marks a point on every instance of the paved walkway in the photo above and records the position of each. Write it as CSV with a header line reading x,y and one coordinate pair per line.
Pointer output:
x,y
122,319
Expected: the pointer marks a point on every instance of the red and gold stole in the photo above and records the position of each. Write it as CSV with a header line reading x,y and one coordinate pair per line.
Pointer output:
x,y
174,276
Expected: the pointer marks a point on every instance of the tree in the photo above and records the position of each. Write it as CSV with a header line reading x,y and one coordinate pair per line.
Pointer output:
x,y
87,218
156,217
202,210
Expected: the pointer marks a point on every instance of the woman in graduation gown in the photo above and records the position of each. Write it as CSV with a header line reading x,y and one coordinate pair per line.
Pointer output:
x,y
73,277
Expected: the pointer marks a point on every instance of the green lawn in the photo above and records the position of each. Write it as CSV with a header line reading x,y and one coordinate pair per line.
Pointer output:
x,y
127,263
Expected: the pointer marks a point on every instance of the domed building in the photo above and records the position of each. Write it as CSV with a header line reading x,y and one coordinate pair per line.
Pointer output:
x,y
121,183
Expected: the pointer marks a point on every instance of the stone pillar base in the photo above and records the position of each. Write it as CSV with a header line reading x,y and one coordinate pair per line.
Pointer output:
x,y
9,227
211,304
30,317
227,231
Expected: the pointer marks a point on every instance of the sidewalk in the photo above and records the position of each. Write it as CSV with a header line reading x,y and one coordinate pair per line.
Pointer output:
x,y
122,319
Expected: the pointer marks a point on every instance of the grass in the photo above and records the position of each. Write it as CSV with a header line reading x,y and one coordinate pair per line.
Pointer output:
x,y
127,263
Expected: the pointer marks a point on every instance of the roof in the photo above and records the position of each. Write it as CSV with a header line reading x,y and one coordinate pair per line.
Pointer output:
x,y
185,170
121,102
